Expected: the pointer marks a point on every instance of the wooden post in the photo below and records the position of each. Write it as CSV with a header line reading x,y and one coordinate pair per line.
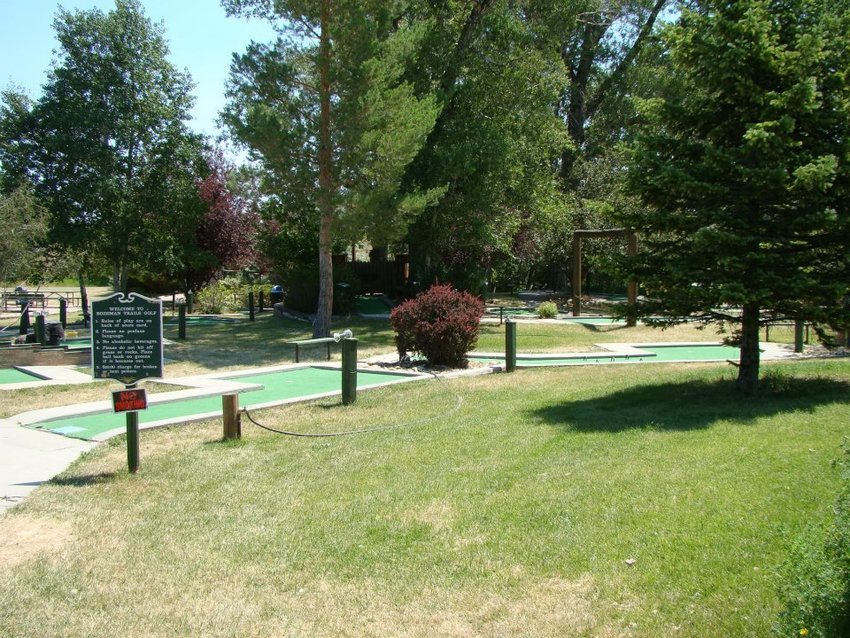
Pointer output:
x,y
576,275
510,345
63,312
40,330
132,437
24,328
190,302
262,301
230,416
251,304
799,326
633,285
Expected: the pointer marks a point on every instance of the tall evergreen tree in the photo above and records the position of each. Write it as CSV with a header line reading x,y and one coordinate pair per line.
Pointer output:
x,y
328,112
746,178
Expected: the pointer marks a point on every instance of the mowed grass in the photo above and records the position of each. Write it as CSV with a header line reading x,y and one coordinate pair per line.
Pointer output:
x,y
601,501
244,344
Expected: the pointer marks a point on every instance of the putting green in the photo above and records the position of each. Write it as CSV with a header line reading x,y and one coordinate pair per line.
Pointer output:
x,y
713,352
279,386
668,354
371,306
13,375
201,320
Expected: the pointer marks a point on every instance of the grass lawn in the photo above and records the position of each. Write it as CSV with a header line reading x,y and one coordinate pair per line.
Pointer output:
x,y
241,344
604,501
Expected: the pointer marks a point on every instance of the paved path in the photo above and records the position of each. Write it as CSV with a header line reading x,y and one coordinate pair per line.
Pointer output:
x,y
29,458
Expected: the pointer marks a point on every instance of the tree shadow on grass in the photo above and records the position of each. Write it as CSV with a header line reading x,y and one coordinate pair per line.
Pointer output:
x,y
691,405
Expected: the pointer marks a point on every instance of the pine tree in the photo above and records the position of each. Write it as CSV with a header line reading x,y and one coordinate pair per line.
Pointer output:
x,y
746,178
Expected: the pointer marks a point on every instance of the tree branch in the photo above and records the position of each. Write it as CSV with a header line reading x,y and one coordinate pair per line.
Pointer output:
x,y
597,99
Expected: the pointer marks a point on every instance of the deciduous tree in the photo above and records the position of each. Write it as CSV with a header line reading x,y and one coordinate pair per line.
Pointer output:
x,y
101,144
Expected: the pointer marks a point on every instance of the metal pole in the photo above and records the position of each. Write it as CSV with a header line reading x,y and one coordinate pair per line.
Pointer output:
x,y
349,371
510,345
132,437
181,322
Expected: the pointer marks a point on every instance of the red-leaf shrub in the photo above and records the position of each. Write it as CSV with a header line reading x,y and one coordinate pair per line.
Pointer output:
x,y
440,323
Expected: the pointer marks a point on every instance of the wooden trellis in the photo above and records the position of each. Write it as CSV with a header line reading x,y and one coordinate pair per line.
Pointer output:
x,y
580,235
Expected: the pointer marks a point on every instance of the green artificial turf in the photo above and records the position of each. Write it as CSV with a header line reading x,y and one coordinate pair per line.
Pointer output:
x,y
279,386
13,375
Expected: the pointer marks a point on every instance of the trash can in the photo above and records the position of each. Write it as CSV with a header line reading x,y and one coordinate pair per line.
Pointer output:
x,y
275,295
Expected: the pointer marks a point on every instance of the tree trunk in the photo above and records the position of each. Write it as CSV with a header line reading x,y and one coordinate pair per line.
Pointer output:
x,y
123,279
748,370
324,308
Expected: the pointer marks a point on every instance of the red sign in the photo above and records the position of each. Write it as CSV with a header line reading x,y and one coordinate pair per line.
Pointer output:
x,y
129,400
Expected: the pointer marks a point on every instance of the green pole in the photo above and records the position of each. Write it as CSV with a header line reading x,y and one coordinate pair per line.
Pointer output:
x,y
63,312
799,326
349,371
251,304
40,330
132,438
510,345
181,322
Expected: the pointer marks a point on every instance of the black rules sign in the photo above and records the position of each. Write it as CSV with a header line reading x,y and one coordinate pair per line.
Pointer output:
x,y
126,338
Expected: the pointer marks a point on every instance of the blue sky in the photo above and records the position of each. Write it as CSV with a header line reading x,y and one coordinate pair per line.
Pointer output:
x,y
200,36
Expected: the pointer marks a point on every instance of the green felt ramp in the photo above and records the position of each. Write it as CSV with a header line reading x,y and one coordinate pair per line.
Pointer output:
x,y
667,354
279,386
12,375
711,352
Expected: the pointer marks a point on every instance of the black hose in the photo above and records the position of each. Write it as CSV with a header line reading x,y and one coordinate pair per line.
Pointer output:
x,y
459,402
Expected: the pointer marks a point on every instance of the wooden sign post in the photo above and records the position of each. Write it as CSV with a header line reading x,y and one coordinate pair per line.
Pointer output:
x,y
127,347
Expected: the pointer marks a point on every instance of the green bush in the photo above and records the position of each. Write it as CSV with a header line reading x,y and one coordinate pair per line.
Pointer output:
x,y
441,323
547,310
228,294
815,587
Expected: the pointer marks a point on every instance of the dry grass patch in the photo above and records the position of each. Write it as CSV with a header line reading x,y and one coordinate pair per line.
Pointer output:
x,y
25,538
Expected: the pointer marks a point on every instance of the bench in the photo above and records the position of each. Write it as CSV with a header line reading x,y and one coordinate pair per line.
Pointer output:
x,y
23,298
311,342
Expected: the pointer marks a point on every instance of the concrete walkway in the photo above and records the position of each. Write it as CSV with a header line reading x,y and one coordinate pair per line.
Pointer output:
x,y
29,458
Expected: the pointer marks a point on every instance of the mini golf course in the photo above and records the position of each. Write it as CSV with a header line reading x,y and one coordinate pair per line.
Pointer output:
x,y
280,387
202,320
622,353
288,384
372,306
9,376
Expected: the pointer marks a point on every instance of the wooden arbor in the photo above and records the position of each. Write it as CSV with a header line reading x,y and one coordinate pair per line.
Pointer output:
x,y
578,236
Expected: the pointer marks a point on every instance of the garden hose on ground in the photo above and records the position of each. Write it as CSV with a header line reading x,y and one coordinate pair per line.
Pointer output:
x,y
458,403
